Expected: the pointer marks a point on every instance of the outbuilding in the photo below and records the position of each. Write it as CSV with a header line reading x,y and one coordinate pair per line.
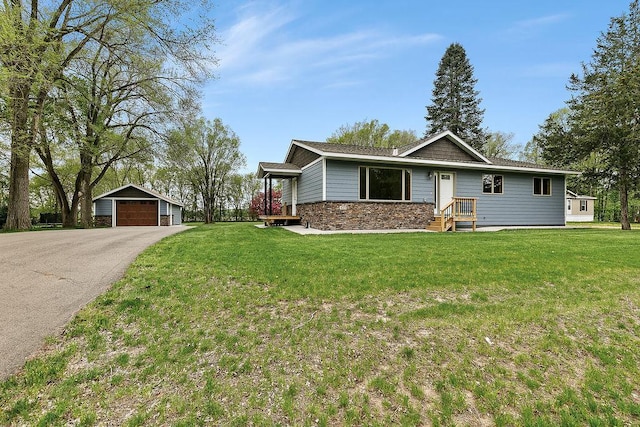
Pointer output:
x,y
579,208
132,205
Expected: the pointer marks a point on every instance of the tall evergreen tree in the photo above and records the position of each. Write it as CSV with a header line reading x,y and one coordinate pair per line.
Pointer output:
x,y
605,110
455,102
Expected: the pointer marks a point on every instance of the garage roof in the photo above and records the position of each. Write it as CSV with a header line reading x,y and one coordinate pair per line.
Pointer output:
x,y
139,188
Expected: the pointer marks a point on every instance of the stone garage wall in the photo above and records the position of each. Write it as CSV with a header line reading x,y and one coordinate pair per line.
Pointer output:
x,y
102,220
365,215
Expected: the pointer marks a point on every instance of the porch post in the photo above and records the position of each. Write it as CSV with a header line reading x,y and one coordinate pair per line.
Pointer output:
x,y
270,195
265,195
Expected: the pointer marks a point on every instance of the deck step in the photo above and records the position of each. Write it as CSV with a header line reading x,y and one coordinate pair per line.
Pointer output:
x,y
435,224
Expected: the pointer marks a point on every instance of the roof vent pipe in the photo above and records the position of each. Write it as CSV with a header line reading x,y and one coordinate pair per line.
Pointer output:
x,y
395,151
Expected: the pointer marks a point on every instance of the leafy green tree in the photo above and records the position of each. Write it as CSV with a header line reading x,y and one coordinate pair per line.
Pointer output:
x,y
532,152
40,40
239,191
556,139
555,144
371,133
209,154
105,114
605,106
174,183
499,144
455,104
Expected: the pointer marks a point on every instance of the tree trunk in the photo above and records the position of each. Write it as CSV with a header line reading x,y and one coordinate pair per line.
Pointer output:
x,y
624,203
86,206
70,215
18,215
206,205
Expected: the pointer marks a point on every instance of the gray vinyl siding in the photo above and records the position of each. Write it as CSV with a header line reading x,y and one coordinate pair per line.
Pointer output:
x,y
310,184
517,205
286,191
103,207
164,208
177,214
423,185
343,181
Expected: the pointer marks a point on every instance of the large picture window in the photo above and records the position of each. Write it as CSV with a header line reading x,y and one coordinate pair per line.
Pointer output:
x,y
542,186
492,184
385,184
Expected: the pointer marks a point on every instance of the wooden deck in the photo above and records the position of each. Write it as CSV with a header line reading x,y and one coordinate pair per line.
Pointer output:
x,y
279,219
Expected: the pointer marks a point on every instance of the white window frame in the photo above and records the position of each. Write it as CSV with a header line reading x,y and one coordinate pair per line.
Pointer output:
x,y
542,193
586,205
492,175
405,172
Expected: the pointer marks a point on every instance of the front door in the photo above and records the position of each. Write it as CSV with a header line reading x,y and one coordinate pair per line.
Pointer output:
x,y
445,189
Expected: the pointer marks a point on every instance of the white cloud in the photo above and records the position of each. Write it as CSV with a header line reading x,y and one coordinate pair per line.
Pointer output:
x,y
528,25
248,36
262,48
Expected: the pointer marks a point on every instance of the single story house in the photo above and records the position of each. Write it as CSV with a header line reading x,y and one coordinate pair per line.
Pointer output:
x,y
579,208
435,182
135,205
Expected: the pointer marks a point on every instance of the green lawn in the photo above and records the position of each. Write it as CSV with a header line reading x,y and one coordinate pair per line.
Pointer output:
x,y
233,325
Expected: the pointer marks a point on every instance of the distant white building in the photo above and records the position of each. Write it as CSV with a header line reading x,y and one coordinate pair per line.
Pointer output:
x,y
579,208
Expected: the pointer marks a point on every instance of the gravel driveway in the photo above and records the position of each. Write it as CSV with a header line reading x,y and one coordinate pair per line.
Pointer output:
x,y
47,276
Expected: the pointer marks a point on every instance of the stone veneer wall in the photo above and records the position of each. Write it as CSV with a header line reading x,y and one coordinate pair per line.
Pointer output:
x,y
102,220
164,219
365,215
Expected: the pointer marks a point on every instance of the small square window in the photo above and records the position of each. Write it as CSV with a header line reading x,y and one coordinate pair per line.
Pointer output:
x,y
542,186
583,205
492,184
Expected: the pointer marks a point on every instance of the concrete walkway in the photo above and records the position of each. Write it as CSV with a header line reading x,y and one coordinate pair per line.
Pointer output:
x,y
47,276
299,229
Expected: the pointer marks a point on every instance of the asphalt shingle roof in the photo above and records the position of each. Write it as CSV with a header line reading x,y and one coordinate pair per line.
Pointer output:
x,y
326,147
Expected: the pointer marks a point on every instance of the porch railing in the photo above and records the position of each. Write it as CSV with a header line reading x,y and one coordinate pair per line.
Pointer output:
x,y
459,209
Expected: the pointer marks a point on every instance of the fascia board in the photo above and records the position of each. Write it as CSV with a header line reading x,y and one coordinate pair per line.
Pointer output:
x,y
302,145
137,187
281,171
423,162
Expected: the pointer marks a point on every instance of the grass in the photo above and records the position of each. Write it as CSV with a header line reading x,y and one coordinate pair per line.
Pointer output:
x,y
233,325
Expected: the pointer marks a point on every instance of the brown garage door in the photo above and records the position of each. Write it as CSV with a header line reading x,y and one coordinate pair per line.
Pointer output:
x,y
136,212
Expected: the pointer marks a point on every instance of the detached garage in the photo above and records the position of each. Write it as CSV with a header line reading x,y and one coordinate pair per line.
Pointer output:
x,y
132,205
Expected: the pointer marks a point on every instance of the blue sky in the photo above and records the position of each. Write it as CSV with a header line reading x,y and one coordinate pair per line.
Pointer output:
x,y
301,69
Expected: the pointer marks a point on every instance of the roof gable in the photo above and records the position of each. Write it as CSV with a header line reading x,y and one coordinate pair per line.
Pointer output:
x,y
300,155
443,146
576,196
278,170
136,191
443,149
